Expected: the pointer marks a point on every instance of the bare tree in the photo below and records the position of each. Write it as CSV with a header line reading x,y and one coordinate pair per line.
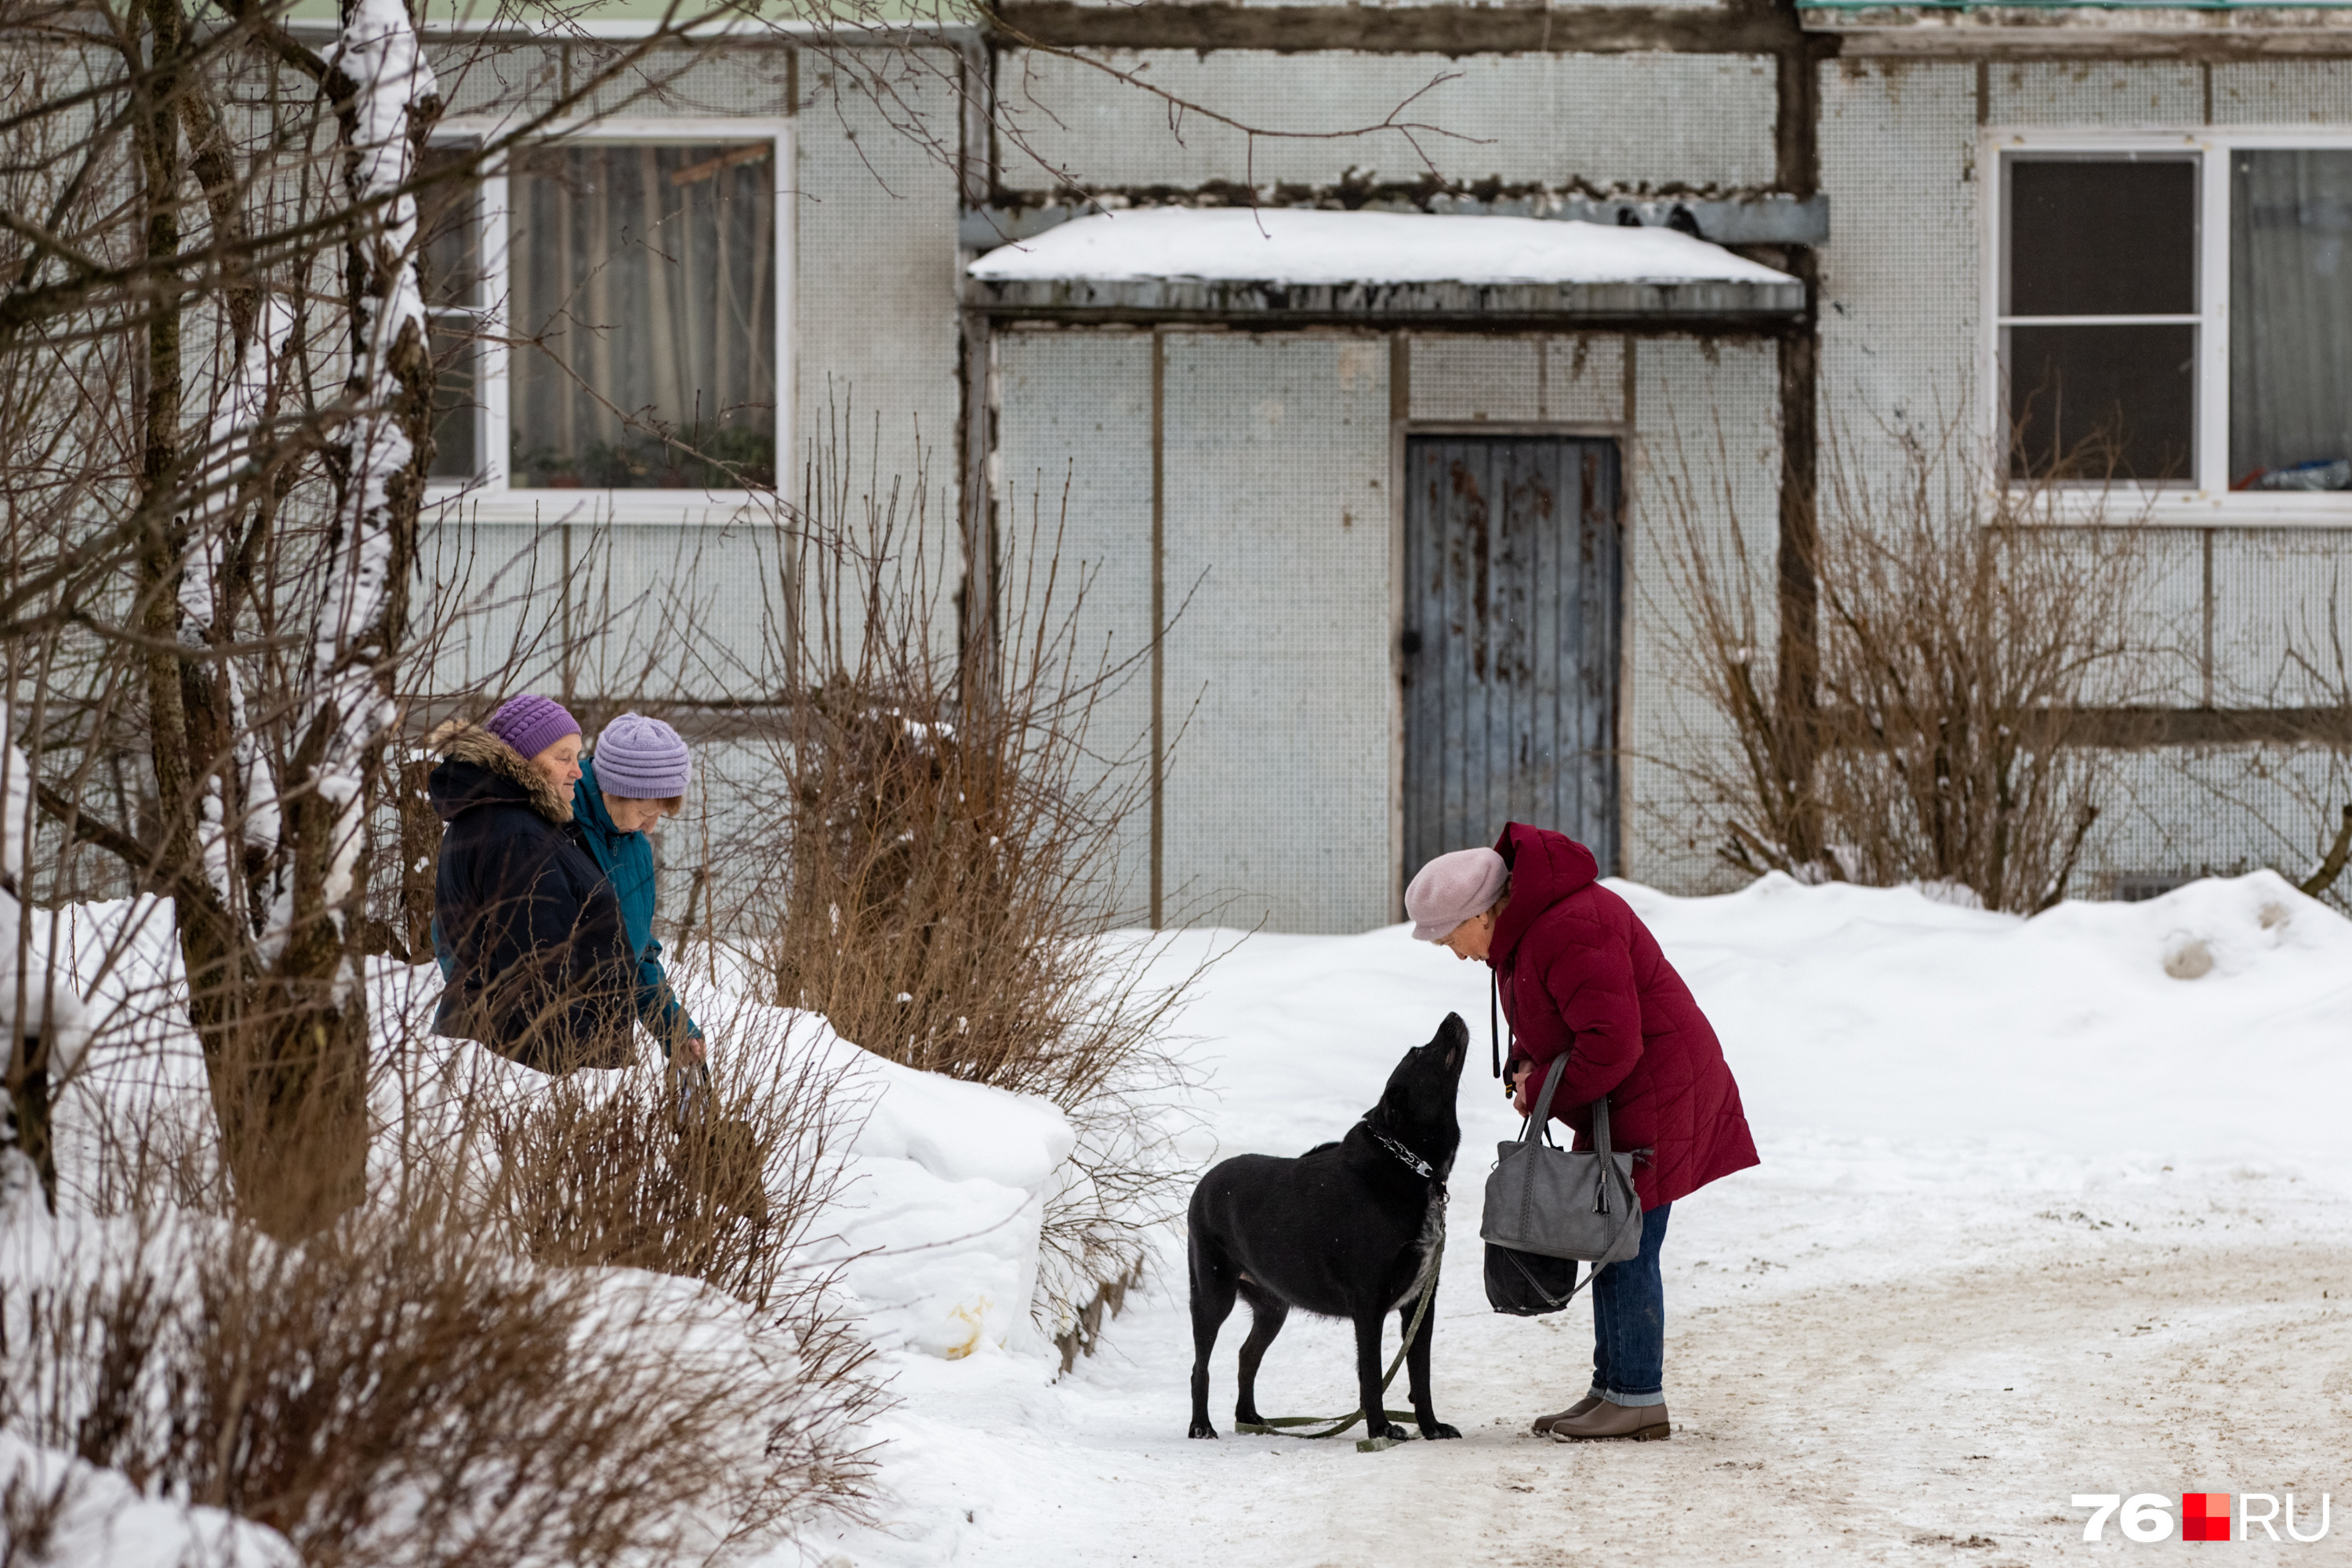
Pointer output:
x,y
1966,638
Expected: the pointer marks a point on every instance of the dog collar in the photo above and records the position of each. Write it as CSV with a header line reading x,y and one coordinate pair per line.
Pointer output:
x,y
1420,1166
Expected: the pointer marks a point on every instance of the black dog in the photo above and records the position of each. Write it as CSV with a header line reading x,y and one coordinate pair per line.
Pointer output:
x,y
1348,1230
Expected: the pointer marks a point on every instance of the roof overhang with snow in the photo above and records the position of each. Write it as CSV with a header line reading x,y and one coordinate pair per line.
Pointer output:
x,y
1282,266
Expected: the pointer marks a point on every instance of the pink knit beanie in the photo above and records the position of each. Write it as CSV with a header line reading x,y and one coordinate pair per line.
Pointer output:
x,y
1453,888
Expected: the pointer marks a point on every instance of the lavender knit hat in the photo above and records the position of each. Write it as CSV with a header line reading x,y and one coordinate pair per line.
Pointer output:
x,y
531,723
639,758
1451,888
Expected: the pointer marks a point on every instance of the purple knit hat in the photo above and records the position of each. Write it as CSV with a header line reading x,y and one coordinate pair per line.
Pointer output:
x,y
531,723
639,758
1450,889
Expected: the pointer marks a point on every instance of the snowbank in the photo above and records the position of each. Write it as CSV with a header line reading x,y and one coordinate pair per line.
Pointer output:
x,y
946,1200
1289,245
938,1219
101,1518
937,1222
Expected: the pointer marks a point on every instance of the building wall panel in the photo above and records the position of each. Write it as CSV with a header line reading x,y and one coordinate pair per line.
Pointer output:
x,y
1607,119
488,605
1075,476
2282,92
1565,379
2096,92
1707,474
2175,813
1899,276
1278,794
877,347
2282,618
476,77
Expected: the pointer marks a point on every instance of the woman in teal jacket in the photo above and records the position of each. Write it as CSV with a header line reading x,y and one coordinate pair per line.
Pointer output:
x,y
637,774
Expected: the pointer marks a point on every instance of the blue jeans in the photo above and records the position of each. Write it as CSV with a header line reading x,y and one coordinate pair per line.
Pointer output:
x,y
1629,1323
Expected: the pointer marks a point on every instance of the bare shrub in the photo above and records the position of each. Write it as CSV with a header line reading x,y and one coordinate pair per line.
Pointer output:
x,y
936,863
1964,640
484,1362
396,1391
652,1167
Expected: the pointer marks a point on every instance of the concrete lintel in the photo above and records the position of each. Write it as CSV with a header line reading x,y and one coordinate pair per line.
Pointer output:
x,y
1768,219
1385,304
2084,32
1516,26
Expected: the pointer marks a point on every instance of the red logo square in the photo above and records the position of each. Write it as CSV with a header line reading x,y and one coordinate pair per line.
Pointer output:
x,y
2205,1516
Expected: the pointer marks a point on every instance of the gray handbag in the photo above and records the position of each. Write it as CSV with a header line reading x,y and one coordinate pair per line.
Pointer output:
x,y
1563,1202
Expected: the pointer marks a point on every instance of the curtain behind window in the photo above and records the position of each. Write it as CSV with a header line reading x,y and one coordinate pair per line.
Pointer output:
x,y
644,307
2291,320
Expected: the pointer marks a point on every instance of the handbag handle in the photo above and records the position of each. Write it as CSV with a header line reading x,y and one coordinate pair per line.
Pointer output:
x,y
1540,1118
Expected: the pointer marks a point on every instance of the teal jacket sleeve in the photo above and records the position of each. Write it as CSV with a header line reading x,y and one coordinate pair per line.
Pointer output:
x,y
658,1007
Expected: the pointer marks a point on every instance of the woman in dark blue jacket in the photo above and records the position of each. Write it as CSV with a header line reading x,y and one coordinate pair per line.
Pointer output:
x,y
529,931
638,776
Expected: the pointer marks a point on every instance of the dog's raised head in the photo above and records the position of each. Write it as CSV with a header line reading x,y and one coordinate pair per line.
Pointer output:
x,y
1417,1107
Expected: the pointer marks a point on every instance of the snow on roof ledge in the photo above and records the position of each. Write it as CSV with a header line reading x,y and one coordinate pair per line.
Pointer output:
x,y
1284,261
1289,245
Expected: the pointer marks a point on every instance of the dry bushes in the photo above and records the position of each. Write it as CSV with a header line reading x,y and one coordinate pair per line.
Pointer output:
x,y
935,861
714,1180
566,1326
1962,639
397,1391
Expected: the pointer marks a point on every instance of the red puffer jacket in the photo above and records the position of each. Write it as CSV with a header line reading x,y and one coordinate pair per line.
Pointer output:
x,y
1578,969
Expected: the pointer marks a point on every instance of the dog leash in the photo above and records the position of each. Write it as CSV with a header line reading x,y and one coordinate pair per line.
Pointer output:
x,y
1494,1019
1271,1427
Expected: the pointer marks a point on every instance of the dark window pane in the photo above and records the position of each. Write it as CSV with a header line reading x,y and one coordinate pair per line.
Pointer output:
x,y
446,216
2099,403
2102,236
644,280
2291,320
456,446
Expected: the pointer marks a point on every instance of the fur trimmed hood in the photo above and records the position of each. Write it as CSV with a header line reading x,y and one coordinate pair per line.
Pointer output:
x,y
479,769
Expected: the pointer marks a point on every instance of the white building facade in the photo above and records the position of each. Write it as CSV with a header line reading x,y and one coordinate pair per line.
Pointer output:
x,y
1408,545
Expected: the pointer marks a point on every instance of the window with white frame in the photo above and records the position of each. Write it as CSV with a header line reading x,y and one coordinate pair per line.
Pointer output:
x,y
608,313
2175,312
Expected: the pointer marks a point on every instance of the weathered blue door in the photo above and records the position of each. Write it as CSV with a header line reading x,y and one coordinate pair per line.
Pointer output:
x,y
1509,640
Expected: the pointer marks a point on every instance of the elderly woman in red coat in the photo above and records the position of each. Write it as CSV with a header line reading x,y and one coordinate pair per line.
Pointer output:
x,y
1580,973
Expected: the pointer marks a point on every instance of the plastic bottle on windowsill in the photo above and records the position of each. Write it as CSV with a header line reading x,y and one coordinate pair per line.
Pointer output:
x,y
2320,474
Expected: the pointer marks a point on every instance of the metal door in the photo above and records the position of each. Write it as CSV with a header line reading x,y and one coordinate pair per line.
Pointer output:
x,y
1509,641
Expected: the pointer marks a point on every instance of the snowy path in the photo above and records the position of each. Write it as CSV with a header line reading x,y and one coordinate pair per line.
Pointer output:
x,y
1927,1381
1982,1269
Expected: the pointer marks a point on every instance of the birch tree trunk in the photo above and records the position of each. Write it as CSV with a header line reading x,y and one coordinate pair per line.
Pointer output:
x,y
270,883
299,1148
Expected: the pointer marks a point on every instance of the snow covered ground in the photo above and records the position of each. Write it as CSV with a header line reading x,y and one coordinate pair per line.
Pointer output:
x,y
2047,1207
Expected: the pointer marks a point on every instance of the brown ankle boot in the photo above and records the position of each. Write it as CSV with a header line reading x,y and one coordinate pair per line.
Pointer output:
x,y
1544,1424
1642,1423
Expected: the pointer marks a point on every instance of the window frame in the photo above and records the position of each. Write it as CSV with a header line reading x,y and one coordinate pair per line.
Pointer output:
x,y
2207,501
489,496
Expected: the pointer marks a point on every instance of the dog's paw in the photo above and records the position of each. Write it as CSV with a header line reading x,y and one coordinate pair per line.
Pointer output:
x,y
1202,1429
1440,1430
